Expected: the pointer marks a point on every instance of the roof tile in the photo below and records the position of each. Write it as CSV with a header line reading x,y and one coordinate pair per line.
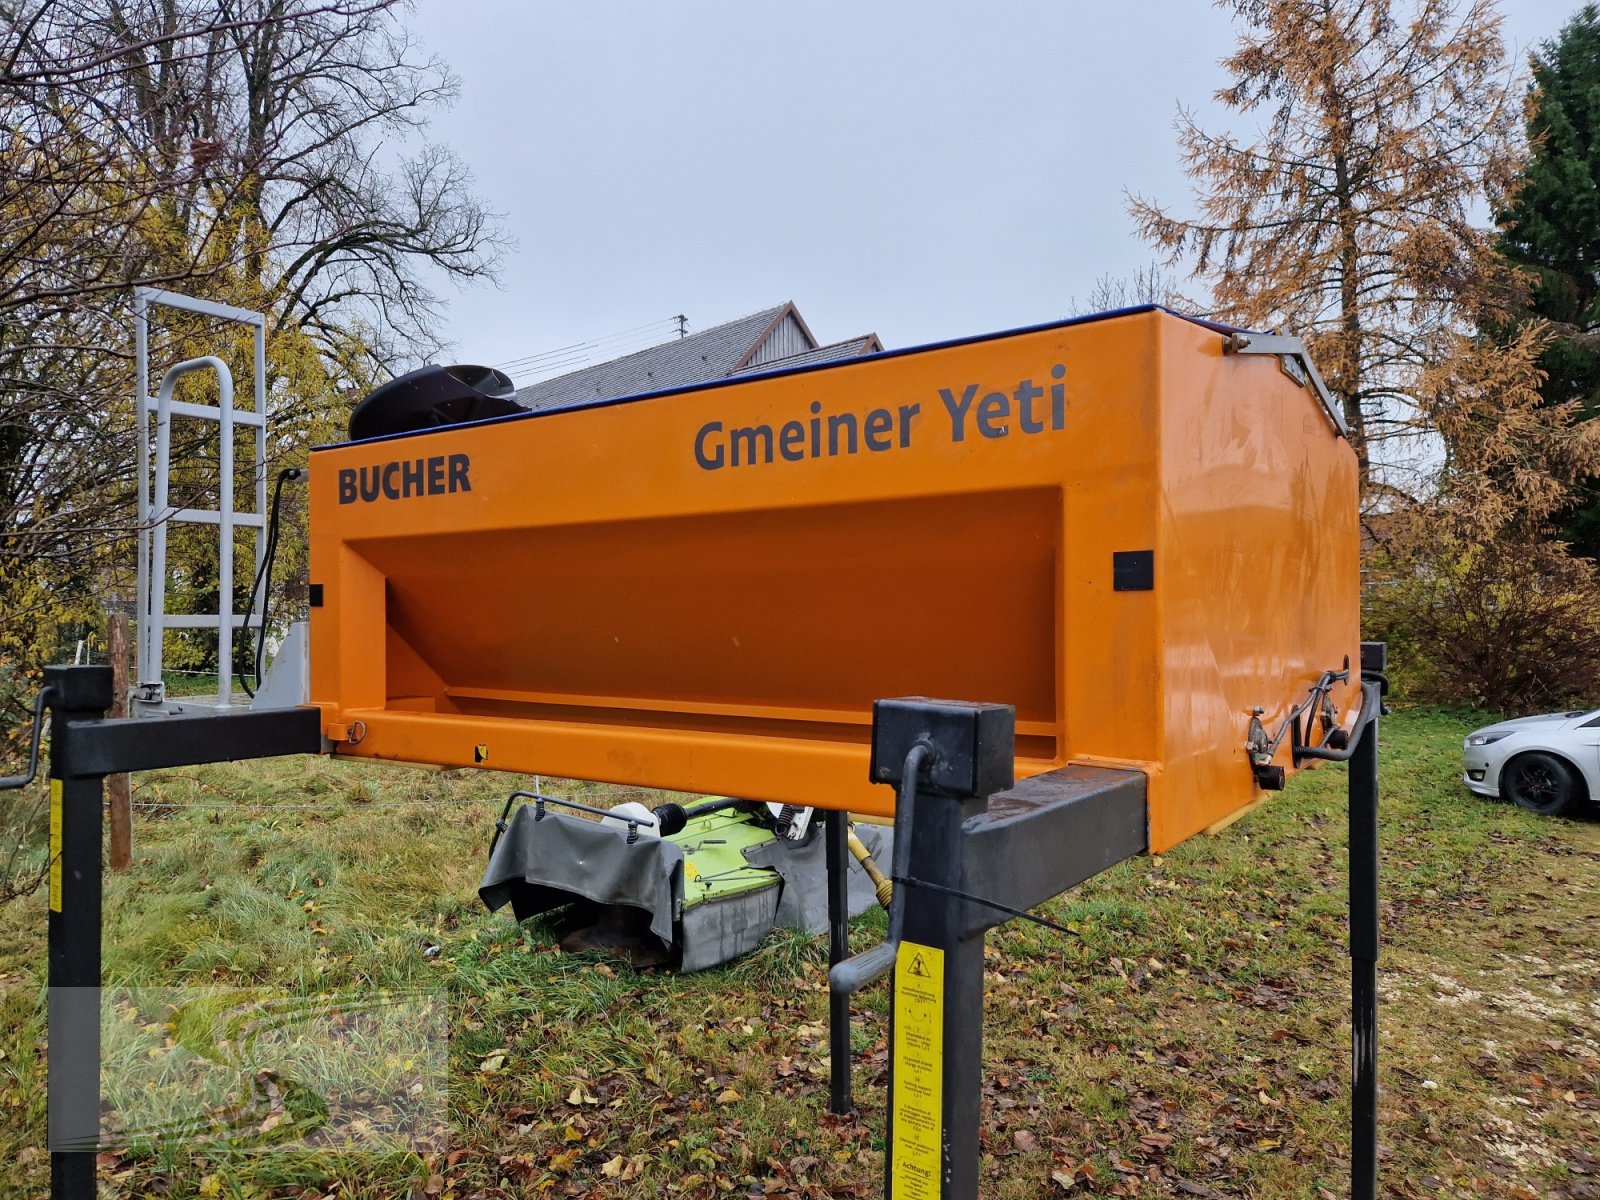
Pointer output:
x,y
710,354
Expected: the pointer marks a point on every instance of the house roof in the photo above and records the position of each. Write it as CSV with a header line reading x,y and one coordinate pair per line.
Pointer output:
x,y
761,341
710,354
849,348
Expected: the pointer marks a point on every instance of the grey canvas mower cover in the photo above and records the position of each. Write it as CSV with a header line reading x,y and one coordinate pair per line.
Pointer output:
x,y
683,888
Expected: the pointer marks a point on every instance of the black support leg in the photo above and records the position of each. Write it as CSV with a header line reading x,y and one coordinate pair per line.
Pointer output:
x,y
942,922
82,693
837,830
963,823
1364,966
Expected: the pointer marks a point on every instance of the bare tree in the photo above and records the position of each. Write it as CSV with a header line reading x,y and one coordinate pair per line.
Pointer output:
x,y
1149,285
302,125
51,42
266,153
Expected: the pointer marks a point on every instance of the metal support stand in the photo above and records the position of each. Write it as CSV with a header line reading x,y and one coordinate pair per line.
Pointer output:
x,y
837,831
73,1013
938,920
974,847
84,749
970,851
1361,752
978,850
1364,964
1364,968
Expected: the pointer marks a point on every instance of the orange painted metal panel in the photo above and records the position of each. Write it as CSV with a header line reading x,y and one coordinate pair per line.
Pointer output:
x,y
706,590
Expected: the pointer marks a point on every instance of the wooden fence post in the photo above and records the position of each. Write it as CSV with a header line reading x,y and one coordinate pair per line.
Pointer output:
x,y
119,794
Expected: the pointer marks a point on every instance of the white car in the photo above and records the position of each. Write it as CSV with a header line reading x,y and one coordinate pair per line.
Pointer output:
x,y
1548,764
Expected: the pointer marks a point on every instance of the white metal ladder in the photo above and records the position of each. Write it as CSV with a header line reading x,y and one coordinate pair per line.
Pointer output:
x,y
156,511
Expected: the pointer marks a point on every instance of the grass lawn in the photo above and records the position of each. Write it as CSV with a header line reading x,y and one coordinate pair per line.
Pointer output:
x,y
1189,1040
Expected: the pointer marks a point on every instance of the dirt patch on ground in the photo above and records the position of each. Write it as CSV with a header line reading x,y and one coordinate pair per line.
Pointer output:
x,y
1505,998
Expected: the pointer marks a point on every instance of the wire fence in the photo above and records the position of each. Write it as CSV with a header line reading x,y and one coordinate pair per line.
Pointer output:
x,y
615,794
273,806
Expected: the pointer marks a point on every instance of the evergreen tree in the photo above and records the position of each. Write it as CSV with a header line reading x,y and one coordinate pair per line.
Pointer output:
x,y
1551,228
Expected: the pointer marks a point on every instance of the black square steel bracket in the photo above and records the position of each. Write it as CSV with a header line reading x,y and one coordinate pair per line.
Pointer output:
x,y
974,745
80,688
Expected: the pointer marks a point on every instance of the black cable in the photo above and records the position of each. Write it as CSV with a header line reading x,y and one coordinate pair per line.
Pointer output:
x,y
911,881
500,826
905,806
264,576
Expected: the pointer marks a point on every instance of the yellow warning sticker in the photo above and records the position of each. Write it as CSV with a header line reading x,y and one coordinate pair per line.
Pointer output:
x,y
918,1071
55,845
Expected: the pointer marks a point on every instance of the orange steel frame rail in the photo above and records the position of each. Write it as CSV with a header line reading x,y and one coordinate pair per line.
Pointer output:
x,y
1132,536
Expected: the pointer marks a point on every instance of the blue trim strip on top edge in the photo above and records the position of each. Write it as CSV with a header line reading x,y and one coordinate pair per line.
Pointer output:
x,y
804,369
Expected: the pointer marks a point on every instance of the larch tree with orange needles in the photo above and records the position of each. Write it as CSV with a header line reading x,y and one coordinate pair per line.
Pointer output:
x,y
1351,217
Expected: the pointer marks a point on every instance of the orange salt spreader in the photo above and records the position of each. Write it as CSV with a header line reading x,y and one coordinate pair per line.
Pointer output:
x,y
1124,547
1137,529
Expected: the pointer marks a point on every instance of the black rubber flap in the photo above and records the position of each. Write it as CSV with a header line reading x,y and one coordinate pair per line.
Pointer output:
x,y
433,397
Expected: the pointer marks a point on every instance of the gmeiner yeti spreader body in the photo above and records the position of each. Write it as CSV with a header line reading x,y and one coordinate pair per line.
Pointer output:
x,y
1047,599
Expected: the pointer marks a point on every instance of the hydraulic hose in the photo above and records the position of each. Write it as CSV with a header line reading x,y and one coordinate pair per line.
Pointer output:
x,y
263,579
883,885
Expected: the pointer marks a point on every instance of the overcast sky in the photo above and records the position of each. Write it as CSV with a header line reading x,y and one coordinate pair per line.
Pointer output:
x,y
919,169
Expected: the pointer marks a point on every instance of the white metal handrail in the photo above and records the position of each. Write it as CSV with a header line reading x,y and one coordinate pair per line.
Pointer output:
x,y
164,514
156,512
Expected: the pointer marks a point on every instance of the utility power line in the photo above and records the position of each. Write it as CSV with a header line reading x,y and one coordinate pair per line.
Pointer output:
x,y
580,354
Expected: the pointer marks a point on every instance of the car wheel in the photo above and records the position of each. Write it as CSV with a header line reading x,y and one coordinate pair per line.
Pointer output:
x,y
1542,783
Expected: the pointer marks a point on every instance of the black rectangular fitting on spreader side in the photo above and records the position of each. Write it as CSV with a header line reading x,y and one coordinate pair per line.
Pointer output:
x,y
974,744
